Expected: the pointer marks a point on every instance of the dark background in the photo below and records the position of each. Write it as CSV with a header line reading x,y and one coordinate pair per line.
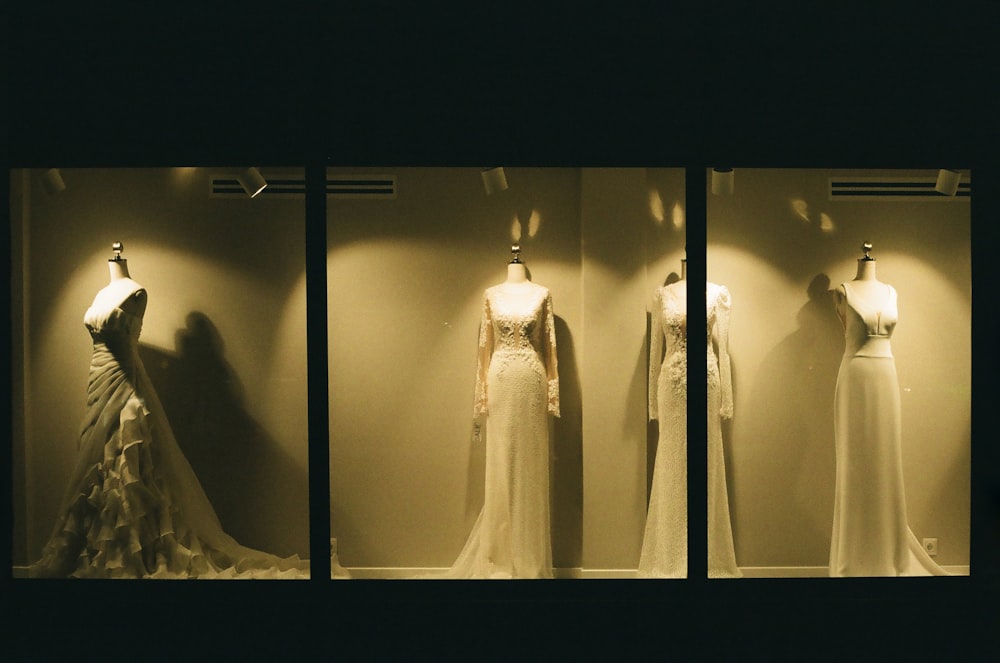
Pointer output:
x,y
621,84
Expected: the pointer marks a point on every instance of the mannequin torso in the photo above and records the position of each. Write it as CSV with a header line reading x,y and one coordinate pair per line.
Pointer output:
x,y
122,292
875,293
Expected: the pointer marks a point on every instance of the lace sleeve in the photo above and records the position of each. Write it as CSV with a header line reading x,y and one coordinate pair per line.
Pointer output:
x,y
655,352
723,307
483,358
551,362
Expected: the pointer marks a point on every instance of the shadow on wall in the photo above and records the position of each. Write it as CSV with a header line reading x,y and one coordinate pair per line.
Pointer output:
x,y
259,494
789,441
566,465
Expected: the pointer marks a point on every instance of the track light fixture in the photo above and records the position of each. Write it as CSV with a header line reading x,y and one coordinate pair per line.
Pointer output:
x,y
252,181
494,180
722,181
947,181
52,181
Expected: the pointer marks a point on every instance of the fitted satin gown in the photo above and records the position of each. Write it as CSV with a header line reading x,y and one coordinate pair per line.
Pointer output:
x,y
870,532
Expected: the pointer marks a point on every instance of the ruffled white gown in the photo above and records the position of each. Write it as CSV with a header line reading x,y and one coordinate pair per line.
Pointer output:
x,y
664,543
134,507
517,387
870,532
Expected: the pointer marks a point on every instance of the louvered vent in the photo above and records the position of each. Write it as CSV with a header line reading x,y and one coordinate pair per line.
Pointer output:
x,y
893,189
356,187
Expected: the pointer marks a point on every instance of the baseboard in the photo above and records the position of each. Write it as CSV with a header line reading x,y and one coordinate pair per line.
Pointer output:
x,y
405,573
821,571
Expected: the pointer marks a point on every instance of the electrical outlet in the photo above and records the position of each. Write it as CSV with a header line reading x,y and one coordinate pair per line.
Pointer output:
x,y
930,547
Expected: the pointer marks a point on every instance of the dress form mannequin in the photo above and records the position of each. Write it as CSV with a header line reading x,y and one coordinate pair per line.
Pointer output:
x,y
865,284
870,532
119,286
517,390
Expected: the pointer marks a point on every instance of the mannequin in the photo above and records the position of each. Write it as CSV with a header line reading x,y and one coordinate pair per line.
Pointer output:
x,y
133,507
517,389
870,532
664,547
120,284
865,284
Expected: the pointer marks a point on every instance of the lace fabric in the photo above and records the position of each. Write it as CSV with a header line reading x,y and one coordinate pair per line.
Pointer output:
x,y
664,548
517,389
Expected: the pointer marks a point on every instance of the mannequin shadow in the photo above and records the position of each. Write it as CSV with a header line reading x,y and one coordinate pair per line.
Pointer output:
x,y
783,480
258,492
566,465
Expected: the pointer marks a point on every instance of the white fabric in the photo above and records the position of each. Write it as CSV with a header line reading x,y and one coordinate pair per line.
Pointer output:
x,y
664,545
134,507
517,387
870,533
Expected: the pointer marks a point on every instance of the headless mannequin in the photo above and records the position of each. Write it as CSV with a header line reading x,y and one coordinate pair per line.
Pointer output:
x,y
518,288
875,293
122,291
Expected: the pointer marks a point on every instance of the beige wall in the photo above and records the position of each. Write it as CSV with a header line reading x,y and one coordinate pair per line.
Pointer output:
x,y
223,338
786,347
406,278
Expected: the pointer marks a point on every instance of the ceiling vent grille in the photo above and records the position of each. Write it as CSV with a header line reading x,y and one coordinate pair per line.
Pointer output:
x,y
352,187
893,189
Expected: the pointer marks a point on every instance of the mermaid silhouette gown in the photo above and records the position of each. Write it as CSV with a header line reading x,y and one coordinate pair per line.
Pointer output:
x,y
134,507
870,533
664,543
517,387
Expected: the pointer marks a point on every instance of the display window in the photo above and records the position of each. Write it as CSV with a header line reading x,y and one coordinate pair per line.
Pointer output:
x,y
488,407
506,378
159,346
847,449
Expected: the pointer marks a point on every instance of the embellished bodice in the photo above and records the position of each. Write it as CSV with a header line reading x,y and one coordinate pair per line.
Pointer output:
x,y
668,344
867,331
517,322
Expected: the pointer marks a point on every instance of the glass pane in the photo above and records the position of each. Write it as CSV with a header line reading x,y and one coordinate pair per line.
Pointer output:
x,y
413,464
848,454
194,433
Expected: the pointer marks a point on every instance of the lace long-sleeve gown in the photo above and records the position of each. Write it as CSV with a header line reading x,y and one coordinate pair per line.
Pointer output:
x,y
134,507
664,544
517,387
870,532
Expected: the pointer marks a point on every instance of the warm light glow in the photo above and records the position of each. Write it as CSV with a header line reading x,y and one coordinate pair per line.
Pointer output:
x,y
801,209
515,229
656,207
826,223
182,175
677,216
534,223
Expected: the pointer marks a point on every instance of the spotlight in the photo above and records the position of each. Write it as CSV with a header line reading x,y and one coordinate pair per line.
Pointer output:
x,y
252,181
947,181
494,180
52,181
722,181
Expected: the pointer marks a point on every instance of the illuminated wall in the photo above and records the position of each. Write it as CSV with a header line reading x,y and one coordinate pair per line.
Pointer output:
x,y
780,243
406,280
223,338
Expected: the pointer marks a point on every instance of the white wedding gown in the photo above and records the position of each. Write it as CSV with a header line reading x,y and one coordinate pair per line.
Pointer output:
x,y
870,532
664,543
517,387
134,507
